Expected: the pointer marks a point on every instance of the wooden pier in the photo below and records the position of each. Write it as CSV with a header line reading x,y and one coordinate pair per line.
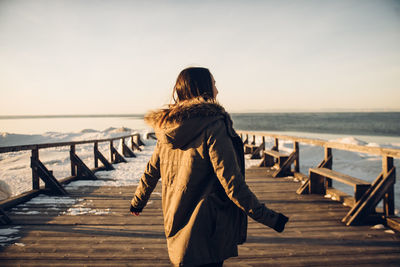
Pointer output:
x,y
314,236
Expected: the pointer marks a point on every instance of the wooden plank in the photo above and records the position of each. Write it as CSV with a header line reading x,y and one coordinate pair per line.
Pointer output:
x,y
393,222
337,176
276,154
340,196
151,136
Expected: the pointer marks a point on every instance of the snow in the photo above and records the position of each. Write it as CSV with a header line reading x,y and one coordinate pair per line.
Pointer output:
x,y
8,235
81,211
378,227
52,200
350,141
8,231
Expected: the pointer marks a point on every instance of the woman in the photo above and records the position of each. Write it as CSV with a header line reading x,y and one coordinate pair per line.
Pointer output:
x,y
205,199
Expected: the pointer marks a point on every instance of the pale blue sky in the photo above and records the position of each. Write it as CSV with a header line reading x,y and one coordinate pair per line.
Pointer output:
x,y
99,57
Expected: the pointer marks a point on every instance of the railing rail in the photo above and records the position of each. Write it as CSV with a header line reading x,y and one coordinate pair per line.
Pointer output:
x,y
390,152
7,149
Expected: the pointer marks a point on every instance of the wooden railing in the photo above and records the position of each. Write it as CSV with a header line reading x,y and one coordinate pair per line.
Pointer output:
x,y
362,205
79,170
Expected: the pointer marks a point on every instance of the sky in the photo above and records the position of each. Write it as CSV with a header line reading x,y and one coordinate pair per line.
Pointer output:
x,y
123,57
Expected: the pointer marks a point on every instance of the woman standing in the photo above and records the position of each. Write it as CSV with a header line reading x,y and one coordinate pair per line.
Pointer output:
x,y
199,156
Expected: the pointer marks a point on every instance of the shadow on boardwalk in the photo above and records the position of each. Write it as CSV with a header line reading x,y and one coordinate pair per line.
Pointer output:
x,y
314,236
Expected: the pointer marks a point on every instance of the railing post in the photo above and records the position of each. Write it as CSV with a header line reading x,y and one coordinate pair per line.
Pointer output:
x,y
328,163
35,176
73,167
328,155
263,143
246,141
297,160
96,159
276,144
388,200
111,151
123,146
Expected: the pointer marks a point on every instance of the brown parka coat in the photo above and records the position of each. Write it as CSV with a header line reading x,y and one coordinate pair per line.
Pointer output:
x,y
205,199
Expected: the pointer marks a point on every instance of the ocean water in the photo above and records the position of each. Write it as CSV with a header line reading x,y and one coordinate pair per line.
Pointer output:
x,y
343,123
380,126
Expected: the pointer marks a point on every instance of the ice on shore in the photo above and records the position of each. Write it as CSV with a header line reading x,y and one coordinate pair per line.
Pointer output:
x,y
350,141
16,174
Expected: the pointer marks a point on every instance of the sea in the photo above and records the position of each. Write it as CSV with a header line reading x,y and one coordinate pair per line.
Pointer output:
x,y
382,126
380,129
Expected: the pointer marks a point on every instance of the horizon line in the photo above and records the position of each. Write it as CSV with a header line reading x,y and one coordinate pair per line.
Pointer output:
x,y
232,112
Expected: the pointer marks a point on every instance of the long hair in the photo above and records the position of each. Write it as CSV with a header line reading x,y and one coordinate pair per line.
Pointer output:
x,y
192,83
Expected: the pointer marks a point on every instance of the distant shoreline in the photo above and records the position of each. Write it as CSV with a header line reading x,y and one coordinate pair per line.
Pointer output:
x,y
6,117
141,115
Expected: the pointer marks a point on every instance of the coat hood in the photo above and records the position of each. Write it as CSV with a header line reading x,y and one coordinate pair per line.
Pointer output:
x,y
180,123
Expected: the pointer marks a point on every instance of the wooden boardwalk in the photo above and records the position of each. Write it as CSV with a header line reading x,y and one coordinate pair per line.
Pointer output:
x,y
313,237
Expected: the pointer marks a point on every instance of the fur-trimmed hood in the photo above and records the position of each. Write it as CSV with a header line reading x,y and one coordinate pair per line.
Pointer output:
x,y
182,122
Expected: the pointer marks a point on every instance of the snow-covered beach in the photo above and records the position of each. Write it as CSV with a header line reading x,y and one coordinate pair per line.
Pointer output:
x,y
15,176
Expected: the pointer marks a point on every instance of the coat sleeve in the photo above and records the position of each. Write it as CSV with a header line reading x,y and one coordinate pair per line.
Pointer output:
x,y
148,182
225,163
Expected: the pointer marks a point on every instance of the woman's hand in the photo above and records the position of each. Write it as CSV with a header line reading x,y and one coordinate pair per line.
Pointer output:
x,y
134,211
280,224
